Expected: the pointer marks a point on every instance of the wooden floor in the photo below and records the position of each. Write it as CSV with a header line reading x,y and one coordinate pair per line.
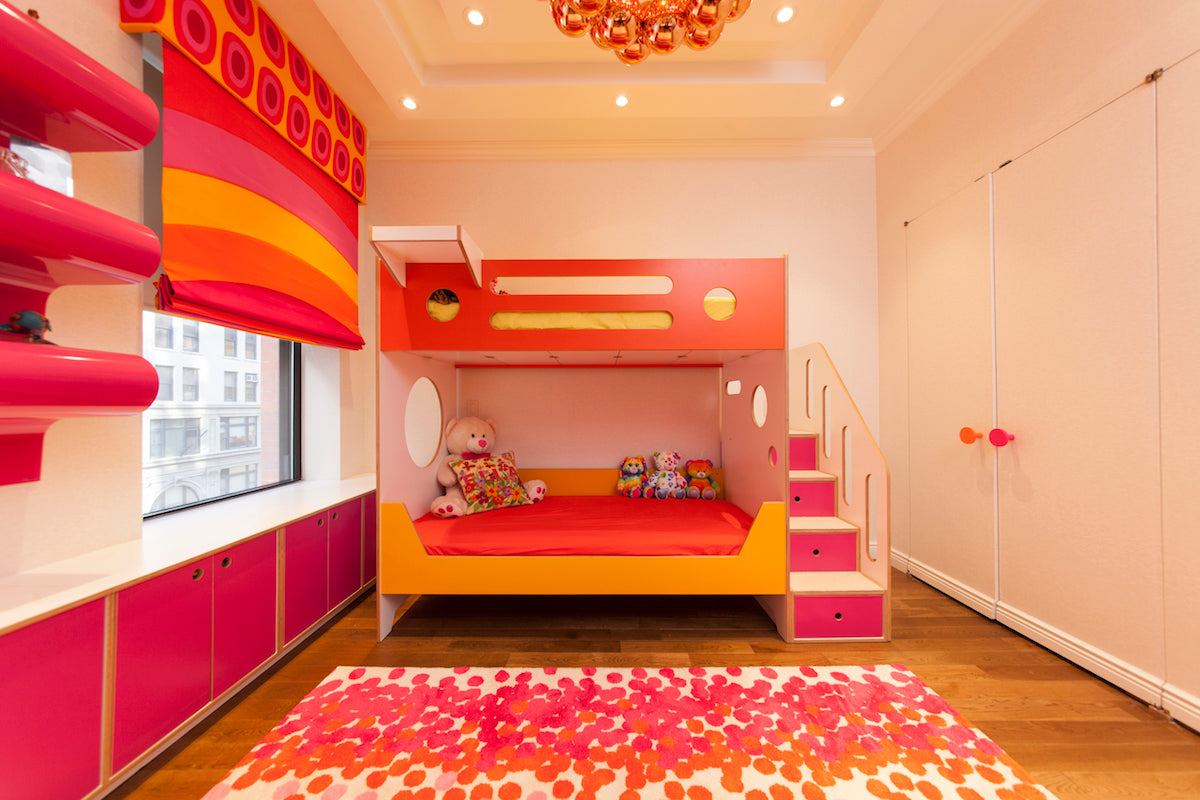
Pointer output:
x,y
1076,734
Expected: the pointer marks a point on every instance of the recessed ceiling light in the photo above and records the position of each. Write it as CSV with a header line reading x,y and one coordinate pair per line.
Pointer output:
x,y
837,101
784,14
622,100
409,103
475,17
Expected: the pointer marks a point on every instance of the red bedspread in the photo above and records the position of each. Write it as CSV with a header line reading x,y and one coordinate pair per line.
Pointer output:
x,y
592,526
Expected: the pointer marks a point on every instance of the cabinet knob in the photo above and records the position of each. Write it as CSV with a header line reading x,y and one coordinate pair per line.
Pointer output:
x,y
969,435
1000,437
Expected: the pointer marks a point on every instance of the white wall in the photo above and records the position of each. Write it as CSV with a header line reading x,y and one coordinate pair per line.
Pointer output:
x,y
819,212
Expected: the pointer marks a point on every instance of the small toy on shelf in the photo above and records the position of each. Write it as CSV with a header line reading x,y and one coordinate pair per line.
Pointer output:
x,y
632,482
700,482
666,481
29,324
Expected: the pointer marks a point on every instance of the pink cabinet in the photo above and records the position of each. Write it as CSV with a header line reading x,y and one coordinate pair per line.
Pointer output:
x,y
345,551
823,552
305,574
838,616
244,601
162,666
52,691
812,498
370,538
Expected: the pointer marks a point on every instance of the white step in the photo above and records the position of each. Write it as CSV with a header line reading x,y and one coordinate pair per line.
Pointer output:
x,y
820,525
810,475
832,583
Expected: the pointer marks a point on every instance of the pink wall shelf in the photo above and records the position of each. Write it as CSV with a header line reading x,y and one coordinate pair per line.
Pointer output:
x,y
52,93
46,383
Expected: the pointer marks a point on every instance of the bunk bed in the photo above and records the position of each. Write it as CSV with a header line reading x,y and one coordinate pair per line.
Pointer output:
x,y
725,315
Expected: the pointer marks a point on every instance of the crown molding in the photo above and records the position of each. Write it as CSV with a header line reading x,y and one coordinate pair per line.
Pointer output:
x,y
532,149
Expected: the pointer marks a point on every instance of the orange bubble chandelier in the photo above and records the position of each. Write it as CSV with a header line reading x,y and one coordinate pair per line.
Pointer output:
x,y
634,29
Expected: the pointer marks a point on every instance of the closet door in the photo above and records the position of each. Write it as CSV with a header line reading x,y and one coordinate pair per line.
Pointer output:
x,y
1179,274
952,515
1077,384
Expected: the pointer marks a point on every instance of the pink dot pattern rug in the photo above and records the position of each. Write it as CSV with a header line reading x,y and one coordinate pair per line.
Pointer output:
x,y
759,733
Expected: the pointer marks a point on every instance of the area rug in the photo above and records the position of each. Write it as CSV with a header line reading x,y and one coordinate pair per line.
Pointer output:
x,y
759,733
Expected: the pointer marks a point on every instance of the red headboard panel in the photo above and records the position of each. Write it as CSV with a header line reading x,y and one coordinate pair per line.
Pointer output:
x,y
757,323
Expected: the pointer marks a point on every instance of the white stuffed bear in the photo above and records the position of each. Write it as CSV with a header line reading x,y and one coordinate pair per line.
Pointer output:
x,y
468,439
665,481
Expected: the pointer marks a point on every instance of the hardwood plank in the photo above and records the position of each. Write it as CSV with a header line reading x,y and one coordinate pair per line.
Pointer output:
x,y
1076,734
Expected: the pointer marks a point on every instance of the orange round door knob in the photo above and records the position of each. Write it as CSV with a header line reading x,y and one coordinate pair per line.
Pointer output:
x,y
969,435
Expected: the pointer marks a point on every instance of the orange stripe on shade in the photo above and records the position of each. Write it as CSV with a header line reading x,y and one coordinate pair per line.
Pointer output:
x,y
200,201
197,254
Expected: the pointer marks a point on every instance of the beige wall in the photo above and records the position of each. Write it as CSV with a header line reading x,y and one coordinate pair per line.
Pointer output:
x,y
90,493
817,211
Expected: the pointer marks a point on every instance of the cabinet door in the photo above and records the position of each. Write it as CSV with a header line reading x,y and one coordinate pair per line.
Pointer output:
x,y
370,538
345,550
51,692
163,665
952,529
243,610
305,571
1077,384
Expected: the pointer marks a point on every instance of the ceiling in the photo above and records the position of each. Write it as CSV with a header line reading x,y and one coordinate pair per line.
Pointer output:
x,y
518,87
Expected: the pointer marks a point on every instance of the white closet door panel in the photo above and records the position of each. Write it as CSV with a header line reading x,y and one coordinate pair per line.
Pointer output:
x,y
1077,384
951,504
1179,274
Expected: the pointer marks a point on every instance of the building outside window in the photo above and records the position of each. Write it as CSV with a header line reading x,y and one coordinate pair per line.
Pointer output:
x,y
172,438
210,440
166,383
191,336
191,383
164,331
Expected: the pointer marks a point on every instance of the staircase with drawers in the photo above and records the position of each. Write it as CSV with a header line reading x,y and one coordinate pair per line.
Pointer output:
x,y
838,570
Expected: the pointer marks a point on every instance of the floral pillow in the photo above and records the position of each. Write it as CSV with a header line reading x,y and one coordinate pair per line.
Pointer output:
x,y
490,483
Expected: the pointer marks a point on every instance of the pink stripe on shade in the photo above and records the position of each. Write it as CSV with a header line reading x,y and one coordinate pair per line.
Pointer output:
x,y
256,309
94,109
48,239
197,146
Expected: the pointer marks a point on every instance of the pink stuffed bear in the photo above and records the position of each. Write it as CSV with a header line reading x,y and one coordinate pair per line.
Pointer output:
x,y
665,481
467,438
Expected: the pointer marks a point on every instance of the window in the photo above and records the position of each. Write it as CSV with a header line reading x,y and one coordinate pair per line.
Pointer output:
x,y
166,384
239,432
164,331
213,450
231,342
239,479
191,382
191,336
172,438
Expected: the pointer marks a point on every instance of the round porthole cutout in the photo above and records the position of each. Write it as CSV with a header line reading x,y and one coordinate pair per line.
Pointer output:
x,y
423,422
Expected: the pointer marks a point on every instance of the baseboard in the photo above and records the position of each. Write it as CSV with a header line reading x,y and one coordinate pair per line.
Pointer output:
x,y
1137,682
970,597
900,561
1183,707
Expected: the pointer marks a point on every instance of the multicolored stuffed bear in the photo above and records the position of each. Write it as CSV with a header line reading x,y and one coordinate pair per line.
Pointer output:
x,y
665,481
700,482
632,482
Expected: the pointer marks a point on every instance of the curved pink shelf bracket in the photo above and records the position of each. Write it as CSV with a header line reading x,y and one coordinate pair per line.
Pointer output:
x,y
45,383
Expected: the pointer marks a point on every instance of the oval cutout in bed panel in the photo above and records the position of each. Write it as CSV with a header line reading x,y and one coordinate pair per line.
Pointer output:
x,y
719,304
581,320
582,284
423,422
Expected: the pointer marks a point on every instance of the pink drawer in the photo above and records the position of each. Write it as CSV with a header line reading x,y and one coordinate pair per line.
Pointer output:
x,y
812,498
839,616
823,552
802,452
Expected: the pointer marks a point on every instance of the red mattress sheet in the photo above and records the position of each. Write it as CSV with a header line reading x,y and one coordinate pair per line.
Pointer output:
x,y
605,525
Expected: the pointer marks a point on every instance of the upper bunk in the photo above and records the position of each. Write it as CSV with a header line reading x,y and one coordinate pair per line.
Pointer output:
x,y
450,303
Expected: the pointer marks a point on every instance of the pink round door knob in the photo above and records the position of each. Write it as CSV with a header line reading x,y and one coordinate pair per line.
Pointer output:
x,y
1000,437
969,435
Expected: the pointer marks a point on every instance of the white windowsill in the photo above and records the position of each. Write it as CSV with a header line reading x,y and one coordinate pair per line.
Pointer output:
x,y
167,541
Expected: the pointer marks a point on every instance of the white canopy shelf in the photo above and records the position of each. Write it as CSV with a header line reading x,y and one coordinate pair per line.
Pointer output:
x,y
398,245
